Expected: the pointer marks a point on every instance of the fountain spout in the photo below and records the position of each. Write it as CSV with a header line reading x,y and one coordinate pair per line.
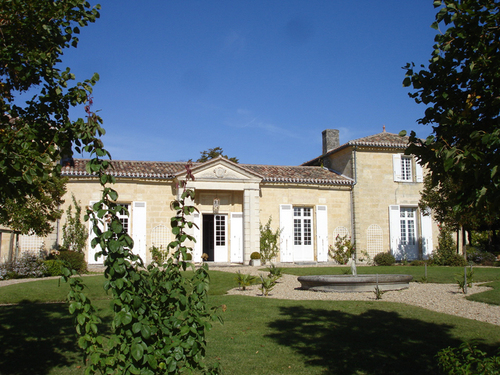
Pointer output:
x,y
353,267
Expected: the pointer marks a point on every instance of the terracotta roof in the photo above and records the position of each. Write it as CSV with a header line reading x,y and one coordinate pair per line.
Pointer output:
x,y
383,139
167,170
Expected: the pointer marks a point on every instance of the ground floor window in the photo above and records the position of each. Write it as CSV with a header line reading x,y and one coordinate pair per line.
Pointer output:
x,y
302,226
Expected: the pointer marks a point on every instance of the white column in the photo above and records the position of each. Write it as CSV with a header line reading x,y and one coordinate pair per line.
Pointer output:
x,y
251,214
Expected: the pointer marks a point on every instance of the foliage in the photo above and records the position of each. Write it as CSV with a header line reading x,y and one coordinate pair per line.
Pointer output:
x,y
467,359
73,260
384,259
483,258
158,254
214,153
37,133
378,293
74,231
266,285
465,279
255,255
417,263
365,257
244,280
160,314
461,89
275,272
28,265
446,251
54,267
37,214
342,250
269,241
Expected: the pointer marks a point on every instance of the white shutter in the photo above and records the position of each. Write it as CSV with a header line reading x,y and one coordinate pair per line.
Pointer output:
x,y
237,237
426,227
92,251
322,233
419,172
395,229
139,229
396,166
286,224
196,234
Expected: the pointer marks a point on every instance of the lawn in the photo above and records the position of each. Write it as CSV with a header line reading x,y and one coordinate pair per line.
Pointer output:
x,y
259,335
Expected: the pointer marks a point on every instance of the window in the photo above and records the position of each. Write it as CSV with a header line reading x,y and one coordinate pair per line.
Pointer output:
x,y
407,225
406,174
406,169
302,226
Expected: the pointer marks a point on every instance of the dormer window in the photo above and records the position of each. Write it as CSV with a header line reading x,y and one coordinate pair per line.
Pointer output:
x,y
406,169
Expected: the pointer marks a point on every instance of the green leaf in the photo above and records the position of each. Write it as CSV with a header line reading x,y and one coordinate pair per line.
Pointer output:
x,y
137,351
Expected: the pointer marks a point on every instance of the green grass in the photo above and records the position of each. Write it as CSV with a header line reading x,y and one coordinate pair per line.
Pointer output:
x,y
435,274
259,336
492,296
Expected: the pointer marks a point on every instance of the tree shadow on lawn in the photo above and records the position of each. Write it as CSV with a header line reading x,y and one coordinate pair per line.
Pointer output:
x,y
36,337
374,342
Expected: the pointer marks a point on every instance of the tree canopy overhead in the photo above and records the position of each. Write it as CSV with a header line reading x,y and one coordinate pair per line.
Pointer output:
x,y
35,133
461,89
214,153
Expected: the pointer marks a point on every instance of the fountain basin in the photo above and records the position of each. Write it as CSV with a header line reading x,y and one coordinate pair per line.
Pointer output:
x,y
350,283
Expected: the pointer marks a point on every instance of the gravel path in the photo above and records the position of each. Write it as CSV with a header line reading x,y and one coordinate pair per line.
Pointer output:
x,y
445,298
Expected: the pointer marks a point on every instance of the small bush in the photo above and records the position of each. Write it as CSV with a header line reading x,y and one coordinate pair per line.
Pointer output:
x,y
54,267
255,255
384,259
26,266
75,261
275,272
342,250
417,263
467,359
479,257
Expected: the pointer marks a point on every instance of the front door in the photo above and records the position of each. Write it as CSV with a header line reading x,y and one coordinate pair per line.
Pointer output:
x,y
214,229
302,234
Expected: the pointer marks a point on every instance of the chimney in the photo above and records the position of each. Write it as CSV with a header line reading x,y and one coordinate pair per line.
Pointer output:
x,y
330,140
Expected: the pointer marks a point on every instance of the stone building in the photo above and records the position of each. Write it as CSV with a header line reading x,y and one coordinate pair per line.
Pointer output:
x,y
366,189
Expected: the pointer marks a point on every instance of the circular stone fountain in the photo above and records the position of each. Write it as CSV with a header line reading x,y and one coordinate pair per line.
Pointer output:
x,y
358,283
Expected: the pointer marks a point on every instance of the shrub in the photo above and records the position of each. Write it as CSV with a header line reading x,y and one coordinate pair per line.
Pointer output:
x,y
275,272
342,250
255,255
267,284
482,258
54,267
417,263
384,259
467,359
446,252
269,241
244,280
26,266
74,260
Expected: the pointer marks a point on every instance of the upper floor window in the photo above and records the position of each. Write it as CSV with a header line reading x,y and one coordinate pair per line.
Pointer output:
x,y
406,169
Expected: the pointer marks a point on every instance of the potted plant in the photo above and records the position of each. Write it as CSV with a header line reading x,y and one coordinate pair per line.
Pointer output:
x,y
255,259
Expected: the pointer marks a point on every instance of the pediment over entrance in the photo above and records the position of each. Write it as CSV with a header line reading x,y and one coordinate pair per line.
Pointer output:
x,y
222,174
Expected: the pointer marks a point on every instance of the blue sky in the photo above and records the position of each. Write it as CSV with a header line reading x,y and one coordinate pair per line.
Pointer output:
x,y
261,79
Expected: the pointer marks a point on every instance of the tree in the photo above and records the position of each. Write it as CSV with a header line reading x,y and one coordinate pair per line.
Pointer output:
x,y
36,214
35,134
461,89
74,231
214,153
